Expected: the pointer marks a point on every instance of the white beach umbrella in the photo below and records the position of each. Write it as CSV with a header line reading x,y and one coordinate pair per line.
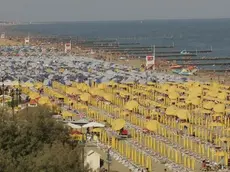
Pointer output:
x,y
74,126
93,124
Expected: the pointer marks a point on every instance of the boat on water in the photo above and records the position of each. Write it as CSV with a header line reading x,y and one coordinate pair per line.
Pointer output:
x,y
184,52
176,67
185,72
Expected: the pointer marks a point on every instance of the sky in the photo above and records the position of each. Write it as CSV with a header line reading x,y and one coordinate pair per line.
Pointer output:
x,y
106,10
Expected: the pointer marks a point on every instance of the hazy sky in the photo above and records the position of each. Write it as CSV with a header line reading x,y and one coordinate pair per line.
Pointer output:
x,y
87,10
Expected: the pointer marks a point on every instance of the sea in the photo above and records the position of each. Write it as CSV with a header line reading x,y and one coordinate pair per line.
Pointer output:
x,y
190,35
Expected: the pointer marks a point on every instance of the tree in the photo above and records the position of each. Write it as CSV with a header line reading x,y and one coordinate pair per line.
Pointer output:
x,y
33,141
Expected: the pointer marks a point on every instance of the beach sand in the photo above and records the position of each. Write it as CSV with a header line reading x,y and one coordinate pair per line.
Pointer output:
x,y
8,42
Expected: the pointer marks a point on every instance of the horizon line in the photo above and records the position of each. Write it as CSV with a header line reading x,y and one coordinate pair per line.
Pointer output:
x,y
121,20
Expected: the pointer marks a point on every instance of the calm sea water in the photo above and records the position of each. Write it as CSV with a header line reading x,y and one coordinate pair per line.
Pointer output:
x,y
186,34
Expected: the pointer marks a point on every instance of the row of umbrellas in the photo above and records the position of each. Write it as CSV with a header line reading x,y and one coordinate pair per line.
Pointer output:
x,y
75,68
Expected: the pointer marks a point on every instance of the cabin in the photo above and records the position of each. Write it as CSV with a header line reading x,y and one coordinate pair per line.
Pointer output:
x,y
93,159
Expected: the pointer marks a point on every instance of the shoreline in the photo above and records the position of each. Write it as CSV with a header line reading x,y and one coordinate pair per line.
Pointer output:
x,y
45,41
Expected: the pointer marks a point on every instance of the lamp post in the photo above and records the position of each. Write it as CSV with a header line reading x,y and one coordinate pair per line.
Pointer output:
x,y
20,91
12,102
109,159
3,92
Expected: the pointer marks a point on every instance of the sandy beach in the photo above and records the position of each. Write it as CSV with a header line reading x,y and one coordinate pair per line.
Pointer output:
x,y
202,76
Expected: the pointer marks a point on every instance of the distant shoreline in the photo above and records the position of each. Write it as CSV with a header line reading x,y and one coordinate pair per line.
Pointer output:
x,y
115,21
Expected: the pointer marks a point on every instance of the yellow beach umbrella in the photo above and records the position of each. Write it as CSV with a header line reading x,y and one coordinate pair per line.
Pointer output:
x,y
182,114
171,110
15,83
227,110
43,100
173,95
108,97
102,86
151,83
97,130
165,87
27,84
208,105
195,91
220,154
118,124
38,85
131,105
203,111
216,124
219,108
85,97
125,113
222,96
217,115
66,114
34,95
195,101
112,83
212,93
224,139
72,91
152,125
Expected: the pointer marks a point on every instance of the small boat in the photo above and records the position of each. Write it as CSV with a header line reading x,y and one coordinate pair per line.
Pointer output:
x,y
176,67
184,52
184,72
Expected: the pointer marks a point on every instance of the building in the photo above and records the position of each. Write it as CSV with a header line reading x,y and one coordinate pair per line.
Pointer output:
x,y
93,160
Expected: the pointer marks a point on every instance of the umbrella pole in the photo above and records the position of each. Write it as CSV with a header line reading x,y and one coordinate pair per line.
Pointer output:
x,y
108,159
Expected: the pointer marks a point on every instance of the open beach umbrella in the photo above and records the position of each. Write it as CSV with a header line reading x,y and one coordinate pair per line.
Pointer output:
x,y
182,114
72,91
93,124
108,97
34,95
219,108
222,96
85,97
81,122
216,124
195,101
208,105
171,110
66,114
205,111
74,126
27,84
131,105
43,100
152,125
118,124
173,95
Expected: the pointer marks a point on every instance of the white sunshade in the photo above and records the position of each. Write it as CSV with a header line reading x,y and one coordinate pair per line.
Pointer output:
x,y
93,124
74,126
